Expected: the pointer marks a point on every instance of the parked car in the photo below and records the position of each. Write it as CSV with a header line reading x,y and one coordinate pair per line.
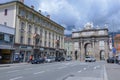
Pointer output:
x,y
59,58
68,58
37,61
50,59
90,59
112,60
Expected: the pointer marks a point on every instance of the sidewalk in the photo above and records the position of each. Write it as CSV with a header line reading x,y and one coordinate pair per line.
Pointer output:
x,y
12,64
113,71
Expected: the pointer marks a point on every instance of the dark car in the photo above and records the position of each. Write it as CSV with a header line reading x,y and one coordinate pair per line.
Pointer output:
x,y
37,61
59,58
112,60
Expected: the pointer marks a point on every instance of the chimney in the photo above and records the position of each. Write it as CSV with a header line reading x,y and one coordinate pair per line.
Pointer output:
x,y
21,1
48,16
39,11
32,6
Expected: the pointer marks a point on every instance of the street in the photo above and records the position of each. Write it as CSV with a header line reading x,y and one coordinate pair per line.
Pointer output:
x,y
72,70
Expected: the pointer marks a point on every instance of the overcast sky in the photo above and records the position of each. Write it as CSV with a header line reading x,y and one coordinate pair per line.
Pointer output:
x,y
74,14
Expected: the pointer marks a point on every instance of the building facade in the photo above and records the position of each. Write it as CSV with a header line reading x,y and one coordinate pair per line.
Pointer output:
x,y
117,43
35,34
6,44
68,45
91,42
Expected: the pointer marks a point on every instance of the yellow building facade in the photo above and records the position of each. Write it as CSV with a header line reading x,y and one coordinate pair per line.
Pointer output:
x,y
35,34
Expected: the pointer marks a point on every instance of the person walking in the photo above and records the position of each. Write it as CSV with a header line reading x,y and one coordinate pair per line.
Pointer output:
x,y
31,58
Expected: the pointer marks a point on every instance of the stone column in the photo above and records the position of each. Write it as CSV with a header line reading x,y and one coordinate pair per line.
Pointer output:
x,y
93,47
82,50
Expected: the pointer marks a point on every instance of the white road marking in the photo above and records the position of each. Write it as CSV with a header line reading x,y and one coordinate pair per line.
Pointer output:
x,y
62,67
105,73
79,71
13,71
28,68
84,69
98,66
95,67
16,78
39,72
73,65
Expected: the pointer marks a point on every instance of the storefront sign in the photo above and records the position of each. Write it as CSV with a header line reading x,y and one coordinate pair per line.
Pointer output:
x,y
41,49
5,47
23,47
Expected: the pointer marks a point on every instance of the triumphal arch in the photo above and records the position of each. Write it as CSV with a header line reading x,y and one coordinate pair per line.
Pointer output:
x,y
91,42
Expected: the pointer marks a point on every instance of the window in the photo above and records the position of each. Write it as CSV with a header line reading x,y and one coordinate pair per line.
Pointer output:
x,y
30,28
45,43
29,40
40,42
49,35
1,36
45,34
22,25
5,12
21,39
41,31
49,44
11,38
6,38
35,29
53,44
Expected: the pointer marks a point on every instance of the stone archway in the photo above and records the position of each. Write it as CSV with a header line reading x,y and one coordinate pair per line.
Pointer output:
x,y
88,49
102,55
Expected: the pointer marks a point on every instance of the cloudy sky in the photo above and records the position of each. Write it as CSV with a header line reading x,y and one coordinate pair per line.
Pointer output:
x,y
74,14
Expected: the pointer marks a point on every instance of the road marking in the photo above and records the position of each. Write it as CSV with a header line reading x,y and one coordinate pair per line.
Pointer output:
x,y
62,67
105,73
13,71
98,66
84,69
39,72
79,71
16,78
28,68
73,65
95,67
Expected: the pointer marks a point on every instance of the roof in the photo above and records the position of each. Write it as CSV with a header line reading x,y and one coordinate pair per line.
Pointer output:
x,y
33,10
67,39
93,29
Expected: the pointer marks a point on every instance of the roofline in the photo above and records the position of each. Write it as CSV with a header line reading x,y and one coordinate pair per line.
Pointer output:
x,y
33,10
90,30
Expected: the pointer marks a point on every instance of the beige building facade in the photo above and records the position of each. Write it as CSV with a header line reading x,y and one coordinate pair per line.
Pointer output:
x,y
35,34
91,42
68,45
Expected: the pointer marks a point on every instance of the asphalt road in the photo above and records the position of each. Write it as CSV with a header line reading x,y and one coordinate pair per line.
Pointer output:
x,y
72,70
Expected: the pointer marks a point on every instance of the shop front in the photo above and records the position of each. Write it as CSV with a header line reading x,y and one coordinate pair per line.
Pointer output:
x,y
22,53
6,54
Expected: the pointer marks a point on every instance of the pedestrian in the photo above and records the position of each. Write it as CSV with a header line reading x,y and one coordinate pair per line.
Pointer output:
x,y
31,58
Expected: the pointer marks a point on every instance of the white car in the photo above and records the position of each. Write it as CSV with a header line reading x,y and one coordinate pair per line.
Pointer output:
x,y
50,59
90,59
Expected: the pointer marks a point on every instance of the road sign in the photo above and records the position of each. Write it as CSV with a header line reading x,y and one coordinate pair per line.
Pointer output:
x,y
114,50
